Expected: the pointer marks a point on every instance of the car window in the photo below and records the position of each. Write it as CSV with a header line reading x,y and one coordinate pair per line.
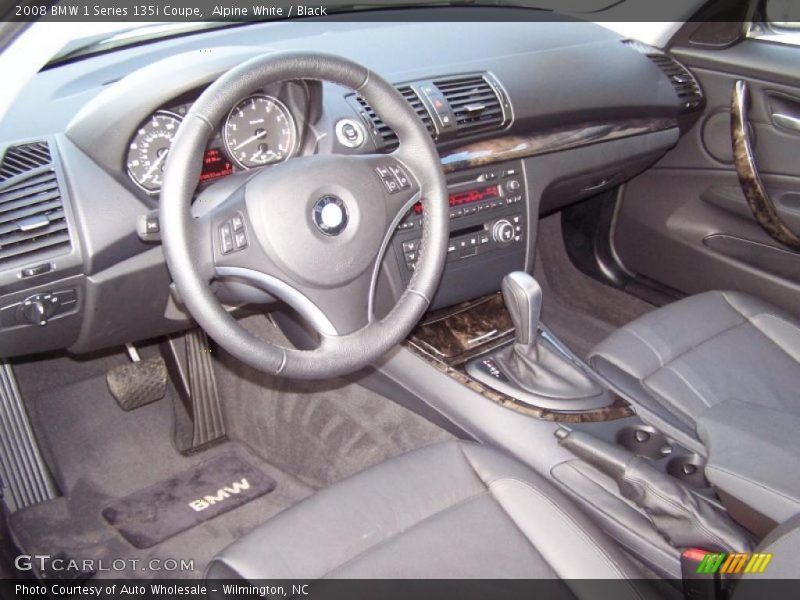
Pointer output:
x,y
779,22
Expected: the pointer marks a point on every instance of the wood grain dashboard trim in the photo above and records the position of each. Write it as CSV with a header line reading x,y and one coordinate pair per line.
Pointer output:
x,y
449,339
512,147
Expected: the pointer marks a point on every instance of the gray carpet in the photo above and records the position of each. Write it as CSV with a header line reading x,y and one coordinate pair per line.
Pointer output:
x,y
103,454
319,431
580,310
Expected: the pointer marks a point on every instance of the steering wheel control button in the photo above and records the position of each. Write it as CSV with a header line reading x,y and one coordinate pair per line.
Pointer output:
x,y
233,235
394,178
226,238
349,133
400,176
330,215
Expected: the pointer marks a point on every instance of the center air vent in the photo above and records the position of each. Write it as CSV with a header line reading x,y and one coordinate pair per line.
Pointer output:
x,y
24,158
387,137
474,102
690,95
463,105
32,219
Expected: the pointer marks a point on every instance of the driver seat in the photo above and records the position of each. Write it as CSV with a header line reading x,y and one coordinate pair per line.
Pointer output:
x,y
452,510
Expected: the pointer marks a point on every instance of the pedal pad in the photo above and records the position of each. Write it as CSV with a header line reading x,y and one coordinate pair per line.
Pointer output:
x,y
139,383
199,421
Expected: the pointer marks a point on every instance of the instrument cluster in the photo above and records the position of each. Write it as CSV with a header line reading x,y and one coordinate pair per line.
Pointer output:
x,y
259,130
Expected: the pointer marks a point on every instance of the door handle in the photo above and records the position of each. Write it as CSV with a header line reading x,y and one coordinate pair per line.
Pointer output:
x,y
755,191
787,121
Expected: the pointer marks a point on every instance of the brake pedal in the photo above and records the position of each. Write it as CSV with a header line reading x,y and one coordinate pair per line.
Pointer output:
x,y
138,383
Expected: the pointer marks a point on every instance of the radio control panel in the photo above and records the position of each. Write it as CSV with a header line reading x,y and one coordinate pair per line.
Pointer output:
x,y
488,216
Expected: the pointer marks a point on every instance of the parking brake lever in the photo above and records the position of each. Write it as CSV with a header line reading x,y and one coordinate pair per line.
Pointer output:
x,y
678,514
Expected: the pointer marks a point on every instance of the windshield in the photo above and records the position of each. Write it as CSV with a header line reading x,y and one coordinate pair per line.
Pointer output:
x,y
105,36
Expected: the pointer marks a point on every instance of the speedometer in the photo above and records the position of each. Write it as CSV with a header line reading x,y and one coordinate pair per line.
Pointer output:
x,y
259,131
147,152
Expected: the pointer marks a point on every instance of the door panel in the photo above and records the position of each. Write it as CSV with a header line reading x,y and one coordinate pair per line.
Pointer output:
x,y
685,222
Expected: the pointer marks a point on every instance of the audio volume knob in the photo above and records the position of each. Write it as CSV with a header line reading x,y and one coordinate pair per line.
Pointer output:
x,y
503,231
512,185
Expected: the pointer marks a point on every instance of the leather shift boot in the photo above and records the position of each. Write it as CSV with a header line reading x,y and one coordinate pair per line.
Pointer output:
x,y
542,370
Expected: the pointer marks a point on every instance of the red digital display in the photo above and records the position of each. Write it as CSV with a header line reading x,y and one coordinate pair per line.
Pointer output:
x,y
469,196
215,165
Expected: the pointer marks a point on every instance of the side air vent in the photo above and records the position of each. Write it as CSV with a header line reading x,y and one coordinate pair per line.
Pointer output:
x,y
690,95
24,158
32,219
389,137
474,102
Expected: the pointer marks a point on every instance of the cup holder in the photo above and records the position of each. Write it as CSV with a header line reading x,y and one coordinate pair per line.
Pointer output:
x,y
644,441
689,469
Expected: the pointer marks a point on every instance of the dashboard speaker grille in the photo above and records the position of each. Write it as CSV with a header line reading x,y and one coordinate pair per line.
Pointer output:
x,y
474,102
24,158
385,133
32,218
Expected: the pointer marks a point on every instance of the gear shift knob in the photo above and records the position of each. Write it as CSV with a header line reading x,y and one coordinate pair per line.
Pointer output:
x,y
523,298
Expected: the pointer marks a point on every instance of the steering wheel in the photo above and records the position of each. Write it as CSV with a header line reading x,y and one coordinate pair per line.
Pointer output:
x,y
311,231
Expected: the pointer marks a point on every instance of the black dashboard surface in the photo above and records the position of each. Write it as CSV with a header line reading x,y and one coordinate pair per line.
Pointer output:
x,y
556,75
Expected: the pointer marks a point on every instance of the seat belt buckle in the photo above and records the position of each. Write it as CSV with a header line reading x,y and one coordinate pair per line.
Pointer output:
x,y
700,574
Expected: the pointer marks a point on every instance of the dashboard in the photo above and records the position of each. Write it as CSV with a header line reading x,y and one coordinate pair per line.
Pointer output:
x,y
529,117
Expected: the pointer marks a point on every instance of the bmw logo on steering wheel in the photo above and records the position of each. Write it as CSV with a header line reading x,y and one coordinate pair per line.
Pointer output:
x,y
330,215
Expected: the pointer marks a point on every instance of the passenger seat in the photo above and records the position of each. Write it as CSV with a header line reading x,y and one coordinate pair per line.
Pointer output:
x,y
680,360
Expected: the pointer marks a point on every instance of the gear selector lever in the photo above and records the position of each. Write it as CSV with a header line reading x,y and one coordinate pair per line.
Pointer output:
x,y
534,369
523,298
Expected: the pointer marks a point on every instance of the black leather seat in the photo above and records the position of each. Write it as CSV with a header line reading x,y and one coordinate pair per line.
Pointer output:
x,y
681,360
453,510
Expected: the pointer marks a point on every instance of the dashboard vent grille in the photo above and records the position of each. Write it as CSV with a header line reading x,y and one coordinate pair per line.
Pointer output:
x,y
24,158
32,218
690,95
389,137
474,102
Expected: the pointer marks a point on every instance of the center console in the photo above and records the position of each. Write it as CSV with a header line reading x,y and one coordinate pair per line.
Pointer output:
x,y
488,232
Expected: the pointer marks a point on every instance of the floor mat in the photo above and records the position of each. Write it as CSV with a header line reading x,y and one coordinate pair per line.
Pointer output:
x,y
103,454
154,514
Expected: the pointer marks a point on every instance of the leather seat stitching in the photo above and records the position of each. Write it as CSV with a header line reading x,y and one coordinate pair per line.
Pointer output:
x,y
782,322
639,337
702,343
691,387
687,419
578,527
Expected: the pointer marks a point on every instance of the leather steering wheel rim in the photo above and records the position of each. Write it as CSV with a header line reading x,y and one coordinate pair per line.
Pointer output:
x,y
188,256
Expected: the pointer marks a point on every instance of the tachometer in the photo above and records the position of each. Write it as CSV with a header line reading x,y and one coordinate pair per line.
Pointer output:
x,y
259,131
147,152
